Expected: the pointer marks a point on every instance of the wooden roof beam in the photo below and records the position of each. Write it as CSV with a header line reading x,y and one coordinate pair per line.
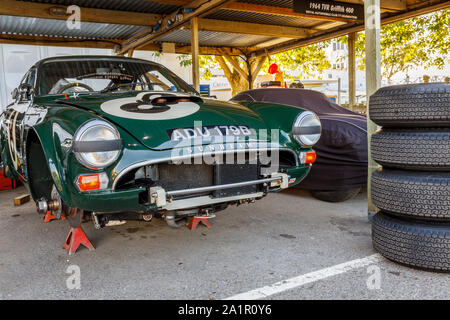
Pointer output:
x,y
111,44
58,12
216,51
386,5
202,7
253,29
59,41
172,2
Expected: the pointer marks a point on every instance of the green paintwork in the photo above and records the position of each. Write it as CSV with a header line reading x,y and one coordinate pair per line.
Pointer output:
x,y
55,119
212,112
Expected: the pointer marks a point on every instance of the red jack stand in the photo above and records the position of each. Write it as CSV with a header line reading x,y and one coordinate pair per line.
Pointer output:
x,y
196,220
76,234
75,238
49,217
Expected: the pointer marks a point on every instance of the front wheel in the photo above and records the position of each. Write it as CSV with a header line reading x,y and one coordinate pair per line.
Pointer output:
x,y
335,195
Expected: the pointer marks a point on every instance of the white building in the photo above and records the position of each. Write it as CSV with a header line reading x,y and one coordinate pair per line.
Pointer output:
x,y
337,54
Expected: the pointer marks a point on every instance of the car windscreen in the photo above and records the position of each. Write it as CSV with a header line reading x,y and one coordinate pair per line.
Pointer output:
x,y
58,77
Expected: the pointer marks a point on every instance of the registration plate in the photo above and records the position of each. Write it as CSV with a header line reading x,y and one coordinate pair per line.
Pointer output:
x,y
209,131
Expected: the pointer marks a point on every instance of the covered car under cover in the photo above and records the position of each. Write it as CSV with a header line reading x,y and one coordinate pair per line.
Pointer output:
x,y
342,149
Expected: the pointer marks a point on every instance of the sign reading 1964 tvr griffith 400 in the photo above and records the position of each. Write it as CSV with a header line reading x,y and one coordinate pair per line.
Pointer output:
x,y
329,9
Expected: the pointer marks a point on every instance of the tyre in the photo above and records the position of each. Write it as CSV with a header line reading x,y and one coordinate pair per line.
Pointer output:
x,y
421,245
421,195
414,105
335,195
420,149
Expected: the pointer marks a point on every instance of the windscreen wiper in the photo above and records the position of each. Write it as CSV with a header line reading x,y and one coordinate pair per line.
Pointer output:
x,y
117,86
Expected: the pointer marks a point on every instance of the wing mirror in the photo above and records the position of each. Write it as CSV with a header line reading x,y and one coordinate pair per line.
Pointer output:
x,y
15,93
23,92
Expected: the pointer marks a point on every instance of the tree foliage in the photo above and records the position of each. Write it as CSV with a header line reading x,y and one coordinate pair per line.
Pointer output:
x,y
308,61
421,41
206,63
237,81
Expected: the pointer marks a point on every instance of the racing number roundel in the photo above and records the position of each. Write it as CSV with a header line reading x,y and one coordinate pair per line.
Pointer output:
x,y
140,108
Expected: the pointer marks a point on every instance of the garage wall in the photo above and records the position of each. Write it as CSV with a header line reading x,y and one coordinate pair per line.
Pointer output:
x,y
15,60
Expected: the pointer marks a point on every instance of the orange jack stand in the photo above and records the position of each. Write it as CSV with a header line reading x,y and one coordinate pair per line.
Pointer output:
x,y
196,220
75,238
49,217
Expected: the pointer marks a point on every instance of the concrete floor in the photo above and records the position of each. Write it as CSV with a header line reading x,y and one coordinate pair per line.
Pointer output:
x,y
280,237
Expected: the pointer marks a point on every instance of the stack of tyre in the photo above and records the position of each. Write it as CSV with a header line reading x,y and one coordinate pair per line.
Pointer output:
x,y
412,189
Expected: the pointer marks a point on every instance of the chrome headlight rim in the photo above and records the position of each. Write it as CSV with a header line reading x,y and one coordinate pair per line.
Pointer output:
x,y
83,130
297,129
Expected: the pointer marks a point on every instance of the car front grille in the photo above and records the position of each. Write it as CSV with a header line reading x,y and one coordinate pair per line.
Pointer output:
x,y
173,176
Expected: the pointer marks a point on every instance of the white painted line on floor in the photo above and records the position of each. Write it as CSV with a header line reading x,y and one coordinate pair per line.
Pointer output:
x,y
295,282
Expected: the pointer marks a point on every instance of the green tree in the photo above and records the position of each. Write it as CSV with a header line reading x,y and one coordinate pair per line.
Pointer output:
x,y
309,61
206,64
420,41
237,82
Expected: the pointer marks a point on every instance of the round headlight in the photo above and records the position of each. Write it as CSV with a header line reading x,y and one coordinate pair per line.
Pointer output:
x,y
307,129
97,144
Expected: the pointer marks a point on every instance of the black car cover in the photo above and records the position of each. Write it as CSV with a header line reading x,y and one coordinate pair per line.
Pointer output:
x,y
342,149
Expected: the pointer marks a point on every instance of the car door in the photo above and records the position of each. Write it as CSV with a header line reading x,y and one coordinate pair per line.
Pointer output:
x,y
14,125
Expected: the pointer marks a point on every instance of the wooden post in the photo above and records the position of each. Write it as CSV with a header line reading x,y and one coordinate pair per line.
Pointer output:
x,y
250,75
195,54
258,65
373,76
351,70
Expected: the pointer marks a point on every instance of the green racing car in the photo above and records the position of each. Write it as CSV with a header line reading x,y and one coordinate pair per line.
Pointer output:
x,y
115,139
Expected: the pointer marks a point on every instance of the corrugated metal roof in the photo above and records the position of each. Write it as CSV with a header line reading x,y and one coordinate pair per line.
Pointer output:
x,y
90,30
50,27
207,38
159,8
274,3
146,5
123,5
261,18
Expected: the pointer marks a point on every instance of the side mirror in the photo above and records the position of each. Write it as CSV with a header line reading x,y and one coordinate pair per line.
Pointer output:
x,y
15,93
25,91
